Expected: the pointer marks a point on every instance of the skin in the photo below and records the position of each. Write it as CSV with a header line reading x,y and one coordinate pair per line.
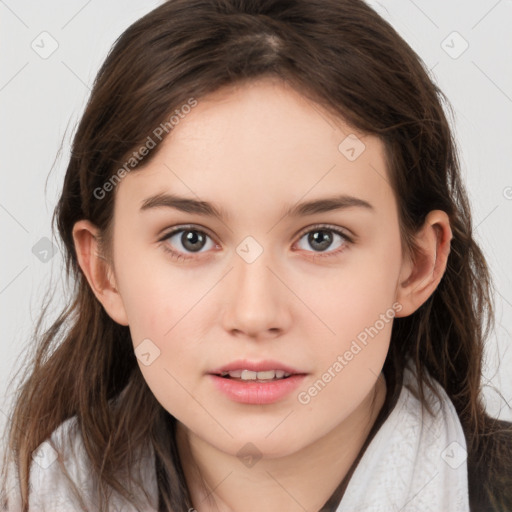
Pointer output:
x,y
253,150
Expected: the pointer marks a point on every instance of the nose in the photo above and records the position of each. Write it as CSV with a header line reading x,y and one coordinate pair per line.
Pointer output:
x,y
258,302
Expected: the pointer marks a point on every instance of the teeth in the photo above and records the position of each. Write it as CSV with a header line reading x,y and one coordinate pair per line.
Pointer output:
x,y
250,375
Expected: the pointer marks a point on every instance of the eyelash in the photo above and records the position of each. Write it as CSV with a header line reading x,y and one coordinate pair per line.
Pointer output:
x,y
319,227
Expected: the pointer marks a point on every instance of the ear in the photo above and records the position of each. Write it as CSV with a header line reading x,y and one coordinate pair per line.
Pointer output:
x,y
98,270
420,276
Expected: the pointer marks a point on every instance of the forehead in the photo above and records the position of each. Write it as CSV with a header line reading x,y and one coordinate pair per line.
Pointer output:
x,y
263,140
266,113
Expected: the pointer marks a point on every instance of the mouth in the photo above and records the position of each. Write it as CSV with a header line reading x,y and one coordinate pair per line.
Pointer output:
x,y
259,371
252,376
262,382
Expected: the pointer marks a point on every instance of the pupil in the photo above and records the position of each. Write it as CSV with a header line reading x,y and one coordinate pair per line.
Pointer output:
x,y
190,240
322,238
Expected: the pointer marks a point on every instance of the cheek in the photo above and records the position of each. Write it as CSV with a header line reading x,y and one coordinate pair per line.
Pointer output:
x,y
163,324
156,293
356,304
170,386
166,308
351,360
347,299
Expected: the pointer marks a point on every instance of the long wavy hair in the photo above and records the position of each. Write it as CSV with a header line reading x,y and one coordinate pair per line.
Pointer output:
x,y
342,55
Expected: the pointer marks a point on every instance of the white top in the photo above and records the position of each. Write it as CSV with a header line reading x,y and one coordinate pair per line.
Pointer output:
x,y
413,463
49,487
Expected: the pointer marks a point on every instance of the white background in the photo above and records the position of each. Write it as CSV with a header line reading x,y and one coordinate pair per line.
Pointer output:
x,y
41,101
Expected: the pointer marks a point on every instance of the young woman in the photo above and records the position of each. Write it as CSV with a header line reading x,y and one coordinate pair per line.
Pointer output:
x,y
278,301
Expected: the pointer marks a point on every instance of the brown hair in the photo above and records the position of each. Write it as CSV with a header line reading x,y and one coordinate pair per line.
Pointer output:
x,y
342,55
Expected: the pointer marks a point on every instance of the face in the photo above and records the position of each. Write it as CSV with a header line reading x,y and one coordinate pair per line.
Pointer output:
x,y
310,288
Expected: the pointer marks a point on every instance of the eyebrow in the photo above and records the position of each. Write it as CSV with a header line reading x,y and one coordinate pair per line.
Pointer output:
x,y
189,205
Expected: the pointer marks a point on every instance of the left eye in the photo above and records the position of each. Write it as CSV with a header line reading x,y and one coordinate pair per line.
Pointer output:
x,y
322,238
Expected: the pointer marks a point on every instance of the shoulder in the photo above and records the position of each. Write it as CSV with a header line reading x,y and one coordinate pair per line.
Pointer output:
x,y
61,477
489,464
490,468
48,489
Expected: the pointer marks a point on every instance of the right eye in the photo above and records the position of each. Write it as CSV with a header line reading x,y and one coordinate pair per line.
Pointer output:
x,y
188,240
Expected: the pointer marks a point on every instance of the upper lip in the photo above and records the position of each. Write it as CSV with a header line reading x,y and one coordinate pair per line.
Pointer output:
x,y
255,366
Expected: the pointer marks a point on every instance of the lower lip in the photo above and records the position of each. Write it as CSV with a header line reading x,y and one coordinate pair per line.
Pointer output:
x,y
251,392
